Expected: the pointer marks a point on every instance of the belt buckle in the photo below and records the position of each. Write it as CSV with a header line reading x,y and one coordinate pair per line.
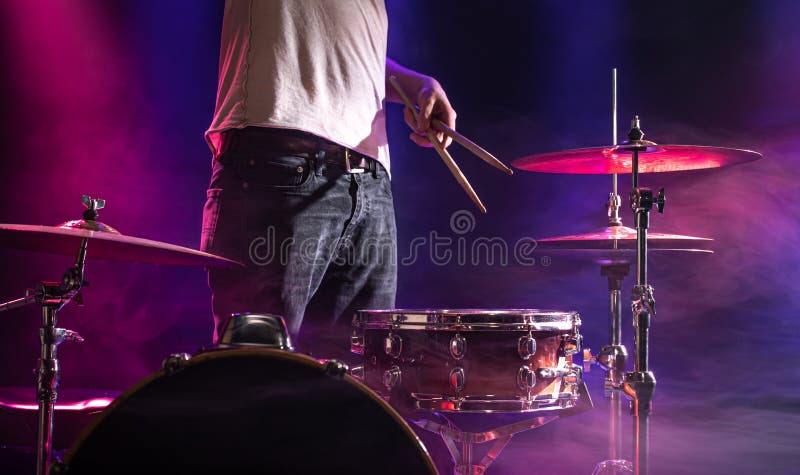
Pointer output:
x,y
347,163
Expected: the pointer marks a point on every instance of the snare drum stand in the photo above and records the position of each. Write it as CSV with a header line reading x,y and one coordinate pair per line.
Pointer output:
x,y
52,297
461,444
641,383
613,359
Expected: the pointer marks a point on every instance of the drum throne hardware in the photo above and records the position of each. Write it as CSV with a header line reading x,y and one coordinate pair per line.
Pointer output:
x,y
107,243
260,330
448,364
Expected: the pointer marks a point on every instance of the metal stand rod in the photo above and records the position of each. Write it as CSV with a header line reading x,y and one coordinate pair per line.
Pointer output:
x,y
614,201
641,383
20,302
641,457
614,426
47,386
614,356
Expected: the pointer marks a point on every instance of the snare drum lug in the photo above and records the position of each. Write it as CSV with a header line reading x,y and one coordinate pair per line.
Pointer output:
x,y
357,343
393,345
526,379
552,372
392,377
175,362
458,347
526,347
588,359
458,378
572,344
574,375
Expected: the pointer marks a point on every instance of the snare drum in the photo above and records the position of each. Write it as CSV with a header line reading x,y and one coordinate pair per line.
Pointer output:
x,y
245,411
470,360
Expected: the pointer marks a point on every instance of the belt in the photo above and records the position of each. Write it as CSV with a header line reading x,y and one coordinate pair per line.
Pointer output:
x,y
296,142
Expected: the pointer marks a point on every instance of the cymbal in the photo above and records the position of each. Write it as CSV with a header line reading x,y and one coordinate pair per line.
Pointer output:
x,y
105,243
618,159
620,238
612,244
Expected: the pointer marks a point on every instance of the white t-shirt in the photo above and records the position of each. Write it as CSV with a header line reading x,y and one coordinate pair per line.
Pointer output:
x,y
312,65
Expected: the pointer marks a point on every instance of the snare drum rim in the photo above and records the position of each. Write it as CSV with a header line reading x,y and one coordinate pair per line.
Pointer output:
x,y
280,354
468,319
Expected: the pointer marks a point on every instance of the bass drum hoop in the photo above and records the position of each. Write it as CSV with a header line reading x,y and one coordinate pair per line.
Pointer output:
x,y
120,401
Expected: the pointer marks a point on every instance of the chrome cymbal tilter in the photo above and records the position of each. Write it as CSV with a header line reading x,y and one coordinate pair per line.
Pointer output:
x,y
52,297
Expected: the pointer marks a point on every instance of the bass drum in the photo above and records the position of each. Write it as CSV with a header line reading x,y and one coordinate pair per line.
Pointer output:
x,y
249,411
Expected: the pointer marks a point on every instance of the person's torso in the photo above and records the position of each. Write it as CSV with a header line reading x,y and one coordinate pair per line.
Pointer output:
x,y
312,65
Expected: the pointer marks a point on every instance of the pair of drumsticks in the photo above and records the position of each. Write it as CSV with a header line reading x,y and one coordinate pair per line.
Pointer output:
x,y
440,126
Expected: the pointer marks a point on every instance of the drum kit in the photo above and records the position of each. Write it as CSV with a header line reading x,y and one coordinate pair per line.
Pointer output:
x,y
235,408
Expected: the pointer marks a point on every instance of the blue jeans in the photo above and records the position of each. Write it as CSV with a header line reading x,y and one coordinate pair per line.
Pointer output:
x,y
317,243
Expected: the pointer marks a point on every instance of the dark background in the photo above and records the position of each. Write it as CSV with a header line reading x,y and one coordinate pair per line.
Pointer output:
x,y
111,99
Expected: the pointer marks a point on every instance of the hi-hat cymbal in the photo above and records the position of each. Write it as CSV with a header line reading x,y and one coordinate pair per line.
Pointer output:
x,y
618,238
104,243
618,243
652,159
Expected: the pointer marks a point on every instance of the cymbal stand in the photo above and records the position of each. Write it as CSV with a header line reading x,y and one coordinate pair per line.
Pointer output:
x,y
52,297
613,357
641,383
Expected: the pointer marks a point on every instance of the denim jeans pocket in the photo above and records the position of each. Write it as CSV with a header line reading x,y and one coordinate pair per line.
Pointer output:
x,y
276,172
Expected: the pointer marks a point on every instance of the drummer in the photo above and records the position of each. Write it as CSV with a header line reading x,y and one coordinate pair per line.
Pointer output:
x,y
300,186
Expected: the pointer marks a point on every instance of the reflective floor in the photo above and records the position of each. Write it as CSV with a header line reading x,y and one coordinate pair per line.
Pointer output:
x,y
692,432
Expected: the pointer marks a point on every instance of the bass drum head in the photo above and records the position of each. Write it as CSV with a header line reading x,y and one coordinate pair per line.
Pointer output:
x,y
249,411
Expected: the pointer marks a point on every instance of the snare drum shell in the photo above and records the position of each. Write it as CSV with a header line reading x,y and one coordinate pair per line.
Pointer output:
x,y
491,362
487,354
247,411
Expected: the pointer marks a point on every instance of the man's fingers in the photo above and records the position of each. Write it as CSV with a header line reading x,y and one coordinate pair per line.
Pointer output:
x,y
445,140
420,140
409,118
426,100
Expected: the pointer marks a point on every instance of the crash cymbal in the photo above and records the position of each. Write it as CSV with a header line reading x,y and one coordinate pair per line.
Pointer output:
x,y
653,158
104,243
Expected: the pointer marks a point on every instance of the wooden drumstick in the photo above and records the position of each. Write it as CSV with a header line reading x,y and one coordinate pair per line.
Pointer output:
x,y
471,146
448,160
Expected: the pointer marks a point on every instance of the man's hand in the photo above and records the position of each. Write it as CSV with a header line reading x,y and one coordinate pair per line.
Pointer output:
x,y
430,98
